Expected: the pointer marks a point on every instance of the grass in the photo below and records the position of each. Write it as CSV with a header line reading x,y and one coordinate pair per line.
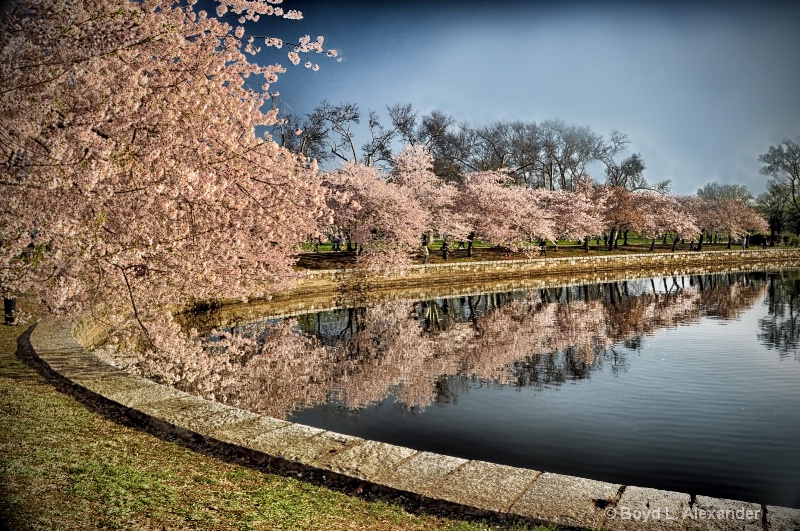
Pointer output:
x,y
327,259
66,465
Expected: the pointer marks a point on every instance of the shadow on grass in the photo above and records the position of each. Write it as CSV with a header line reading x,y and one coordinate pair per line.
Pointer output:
x,y
124,416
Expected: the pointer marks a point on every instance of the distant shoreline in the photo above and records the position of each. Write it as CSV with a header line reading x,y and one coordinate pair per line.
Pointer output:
x,y
318,290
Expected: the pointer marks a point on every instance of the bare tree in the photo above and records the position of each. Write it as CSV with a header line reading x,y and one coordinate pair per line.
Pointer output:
x,y
567,150
433,127
551,154
305,138
337,123
526,153
332,132
628,174
782,163
404,121
715,191
450,144
492,147
775,206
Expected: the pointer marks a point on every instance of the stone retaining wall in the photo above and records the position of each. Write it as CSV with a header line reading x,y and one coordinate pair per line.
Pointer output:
x,y
475,487
330,289
560,266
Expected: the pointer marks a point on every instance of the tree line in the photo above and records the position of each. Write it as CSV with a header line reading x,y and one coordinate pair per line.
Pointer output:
x,y
551,154
382,214
134,176
780,203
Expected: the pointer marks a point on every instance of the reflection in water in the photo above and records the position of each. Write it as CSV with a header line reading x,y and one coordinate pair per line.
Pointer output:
x,y
780,330
433,351
705,408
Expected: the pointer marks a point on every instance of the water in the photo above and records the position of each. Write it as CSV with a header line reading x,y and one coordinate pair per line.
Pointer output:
x,y
689,384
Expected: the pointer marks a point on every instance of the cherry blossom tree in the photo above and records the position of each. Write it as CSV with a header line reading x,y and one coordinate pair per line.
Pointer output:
x,y
413,171
132,174
739,220
622,211
576,215
504,213
663,214
724,216
708,217
381,219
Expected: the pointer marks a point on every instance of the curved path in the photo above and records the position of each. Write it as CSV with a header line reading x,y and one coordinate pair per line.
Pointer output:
x,y
472,487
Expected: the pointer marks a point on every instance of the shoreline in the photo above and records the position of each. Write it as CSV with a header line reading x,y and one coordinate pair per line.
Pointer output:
x,y
318,290
446,483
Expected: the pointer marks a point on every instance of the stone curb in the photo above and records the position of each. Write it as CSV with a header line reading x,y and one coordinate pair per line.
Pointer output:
x,y
321,290
598,262
467,486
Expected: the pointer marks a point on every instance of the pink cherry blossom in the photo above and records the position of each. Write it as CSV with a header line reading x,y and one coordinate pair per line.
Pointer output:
x,y
379,218
503,213
135,177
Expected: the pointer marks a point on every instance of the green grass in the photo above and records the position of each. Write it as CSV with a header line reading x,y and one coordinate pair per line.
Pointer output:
x,y
483,252
65,466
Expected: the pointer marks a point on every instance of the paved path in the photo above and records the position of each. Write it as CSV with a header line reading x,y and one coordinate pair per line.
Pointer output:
x,y
472,487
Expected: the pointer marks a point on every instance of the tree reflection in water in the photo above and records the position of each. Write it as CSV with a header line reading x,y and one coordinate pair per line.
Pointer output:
x,y
432,351
780,330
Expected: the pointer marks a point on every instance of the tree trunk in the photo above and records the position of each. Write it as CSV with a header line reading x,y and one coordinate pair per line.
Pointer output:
x,y
9,307
612,238
652,245
586,244
625,237
700,242
675,243
729,241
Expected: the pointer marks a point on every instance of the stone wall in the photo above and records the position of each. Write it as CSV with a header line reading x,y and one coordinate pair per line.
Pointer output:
x,y
328,289
431,480
632,262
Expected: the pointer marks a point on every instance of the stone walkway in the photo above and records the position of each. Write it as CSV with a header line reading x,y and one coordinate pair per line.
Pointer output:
x,y
472,487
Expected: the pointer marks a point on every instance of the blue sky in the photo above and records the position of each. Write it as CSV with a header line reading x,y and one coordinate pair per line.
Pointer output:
x,y
700,89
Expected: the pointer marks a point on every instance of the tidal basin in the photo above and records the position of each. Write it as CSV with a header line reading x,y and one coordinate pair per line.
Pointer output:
x,y
683,383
